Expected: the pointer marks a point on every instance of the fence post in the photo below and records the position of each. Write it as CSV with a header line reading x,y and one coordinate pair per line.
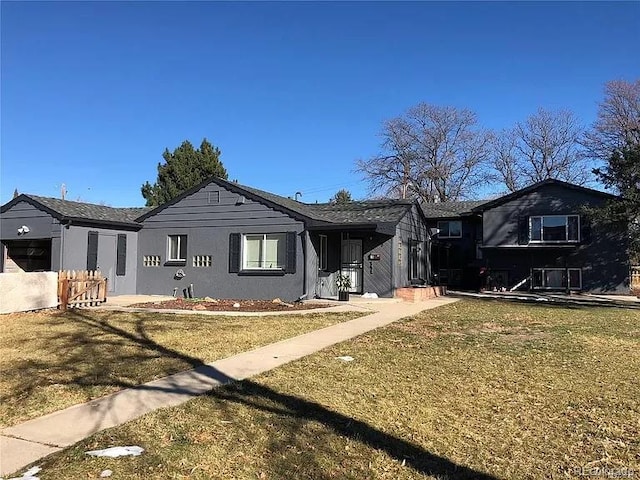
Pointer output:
x,y
64,297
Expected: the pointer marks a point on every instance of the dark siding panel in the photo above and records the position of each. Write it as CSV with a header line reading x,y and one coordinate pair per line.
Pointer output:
x,y
196,211
291,252
121,260
92,250
234,253
378,274
585,230
244,223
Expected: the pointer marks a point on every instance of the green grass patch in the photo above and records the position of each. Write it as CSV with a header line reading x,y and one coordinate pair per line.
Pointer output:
x,y
473,389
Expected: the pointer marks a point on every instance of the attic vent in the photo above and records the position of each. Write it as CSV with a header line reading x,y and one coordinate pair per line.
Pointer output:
x,y
240,200
214,197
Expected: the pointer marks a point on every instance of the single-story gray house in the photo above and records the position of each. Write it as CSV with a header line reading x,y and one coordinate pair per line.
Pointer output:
x,y
226,240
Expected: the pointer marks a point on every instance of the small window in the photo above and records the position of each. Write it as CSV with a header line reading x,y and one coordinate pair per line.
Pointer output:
x,y
151,261
201,261
414,260
177,248
214,197
450,229
556,278
264,252
322,254
575,279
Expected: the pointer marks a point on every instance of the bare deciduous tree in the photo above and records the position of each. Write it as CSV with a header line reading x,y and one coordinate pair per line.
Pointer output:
x,y
618,122
431,152
544,146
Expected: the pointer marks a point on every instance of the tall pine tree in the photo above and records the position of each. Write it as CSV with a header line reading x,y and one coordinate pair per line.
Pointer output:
x,y
622,173
182,169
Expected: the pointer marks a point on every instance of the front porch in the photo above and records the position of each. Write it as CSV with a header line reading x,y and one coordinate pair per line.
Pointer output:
x,y
375,262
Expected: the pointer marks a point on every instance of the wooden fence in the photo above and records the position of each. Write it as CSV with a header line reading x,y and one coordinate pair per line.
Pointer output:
x,y
635,278
81,288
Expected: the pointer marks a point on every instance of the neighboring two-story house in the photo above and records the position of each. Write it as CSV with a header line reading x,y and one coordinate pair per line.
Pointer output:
x,y
541,237
538,238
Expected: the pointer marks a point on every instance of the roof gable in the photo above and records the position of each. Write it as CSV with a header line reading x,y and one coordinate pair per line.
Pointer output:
x,y
70,210
536,186
318,214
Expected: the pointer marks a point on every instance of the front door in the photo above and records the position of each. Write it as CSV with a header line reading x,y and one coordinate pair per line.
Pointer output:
x,y
107,259
352,262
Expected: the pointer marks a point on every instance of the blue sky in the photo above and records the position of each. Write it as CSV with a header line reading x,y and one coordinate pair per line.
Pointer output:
x,y
292,93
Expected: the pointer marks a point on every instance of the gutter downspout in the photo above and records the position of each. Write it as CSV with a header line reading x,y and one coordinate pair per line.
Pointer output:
x,y
64,225
305,246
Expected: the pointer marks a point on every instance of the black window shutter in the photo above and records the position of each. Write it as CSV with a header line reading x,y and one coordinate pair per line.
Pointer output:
x,y
291,252
234,253
523,230
121,255
92,251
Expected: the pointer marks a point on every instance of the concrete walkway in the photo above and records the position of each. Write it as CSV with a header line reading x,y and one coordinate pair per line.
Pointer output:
x,y
25,443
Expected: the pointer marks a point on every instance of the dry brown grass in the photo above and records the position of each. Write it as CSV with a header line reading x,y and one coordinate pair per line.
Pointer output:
x,y
51,360
439,396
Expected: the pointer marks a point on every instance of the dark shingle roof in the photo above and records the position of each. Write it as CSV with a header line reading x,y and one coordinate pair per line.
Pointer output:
x,y
451,209
373,211
362,212
89,211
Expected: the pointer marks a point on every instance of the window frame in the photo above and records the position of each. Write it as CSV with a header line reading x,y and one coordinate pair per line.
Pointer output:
x,y
566,229
448,235
566,271
282,244
323,251
179,237
449,274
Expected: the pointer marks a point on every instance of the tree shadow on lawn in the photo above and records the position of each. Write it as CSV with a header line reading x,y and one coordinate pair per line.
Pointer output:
x,y
297,411
543,300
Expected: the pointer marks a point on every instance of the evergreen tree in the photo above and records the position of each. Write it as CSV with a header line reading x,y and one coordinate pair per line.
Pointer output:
x,y
622,173
182,169
341,197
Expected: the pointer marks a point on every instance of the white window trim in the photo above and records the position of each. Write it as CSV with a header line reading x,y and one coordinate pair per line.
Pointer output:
x,y
179,237
449,236
566,270
322,254
566,229
264,250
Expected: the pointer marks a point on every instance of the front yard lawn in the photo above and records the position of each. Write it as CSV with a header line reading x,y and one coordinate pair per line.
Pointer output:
x,y
474,389
51,360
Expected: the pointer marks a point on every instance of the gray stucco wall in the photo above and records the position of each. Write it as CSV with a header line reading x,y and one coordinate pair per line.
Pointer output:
x,y
75,241
601,254
41,226
208,217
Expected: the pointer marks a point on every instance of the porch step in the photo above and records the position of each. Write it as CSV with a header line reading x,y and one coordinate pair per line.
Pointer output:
x,y
419,294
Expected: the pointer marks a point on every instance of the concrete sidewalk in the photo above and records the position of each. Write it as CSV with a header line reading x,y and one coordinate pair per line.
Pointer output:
x,y
25,443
